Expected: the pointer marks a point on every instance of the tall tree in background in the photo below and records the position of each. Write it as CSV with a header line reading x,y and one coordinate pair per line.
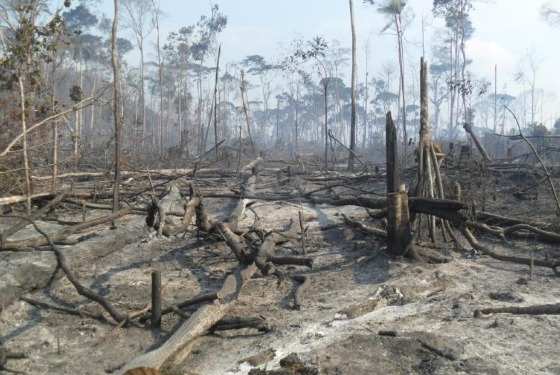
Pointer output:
x,y
207,29
157,12
527,76
116,106
455,13
316,50
27,46
394,9
139,21
178,54
79,21
353,88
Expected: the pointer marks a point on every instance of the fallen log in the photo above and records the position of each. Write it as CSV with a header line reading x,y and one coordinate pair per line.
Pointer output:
x,y
519,231
178,345
227,324
378,232
197,325
506,220
550,309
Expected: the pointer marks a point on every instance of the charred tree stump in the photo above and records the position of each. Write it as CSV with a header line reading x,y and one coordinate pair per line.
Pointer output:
x,y
393,177
156,300
399,231
399,234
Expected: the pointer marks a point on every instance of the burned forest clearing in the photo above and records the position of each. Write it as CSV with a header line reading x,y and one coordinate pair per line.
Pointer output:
x,y
167,208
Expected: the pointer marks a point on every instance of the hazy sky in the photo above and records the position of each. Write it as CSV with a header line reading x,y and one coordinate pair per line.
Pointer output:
x,y
505,32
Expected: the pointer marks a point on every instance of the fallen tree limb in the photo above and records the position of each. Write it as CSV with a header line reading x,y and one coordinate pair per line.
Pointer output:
x,y
506,220
77,106
82,290
553,264
551,309
63,234
378,232
539,159
67,310
208,297
35,216
518,230
291,261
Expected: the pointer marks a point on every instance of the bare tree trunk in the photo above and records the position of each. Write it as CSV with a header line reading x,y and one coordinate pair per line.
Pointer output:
x,y
160,69
142,90
116,106
366,99
354,78
326,124
92,120
216,101
54,132
277,120
495,99
453,79
297,119
401,67
28,191
246,110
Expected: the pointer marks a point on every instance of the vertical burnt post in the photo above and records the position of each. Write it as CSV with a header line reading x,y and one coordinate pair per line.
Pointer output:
x,y
393,178
399,233
156,300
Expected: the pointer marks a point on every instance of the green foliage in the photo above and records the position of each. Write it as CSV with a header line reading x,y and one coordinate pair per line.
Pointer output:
x,y
305,51
79,19
456,15
256,64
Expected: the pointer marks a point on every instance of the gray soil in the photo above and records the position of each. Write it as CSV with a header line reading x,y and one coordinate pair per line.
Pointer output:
x,y
355,292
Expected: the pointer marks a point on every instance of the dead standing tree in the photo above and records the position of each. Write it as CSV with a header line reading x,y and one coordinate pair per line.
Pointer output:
x,y
245,104
353,91
116,106
428,166
399,234
429,182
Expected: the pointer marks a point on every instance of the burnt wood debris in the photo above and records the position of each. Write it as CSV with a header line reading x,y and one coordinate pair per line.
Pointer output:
x,y
184,228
